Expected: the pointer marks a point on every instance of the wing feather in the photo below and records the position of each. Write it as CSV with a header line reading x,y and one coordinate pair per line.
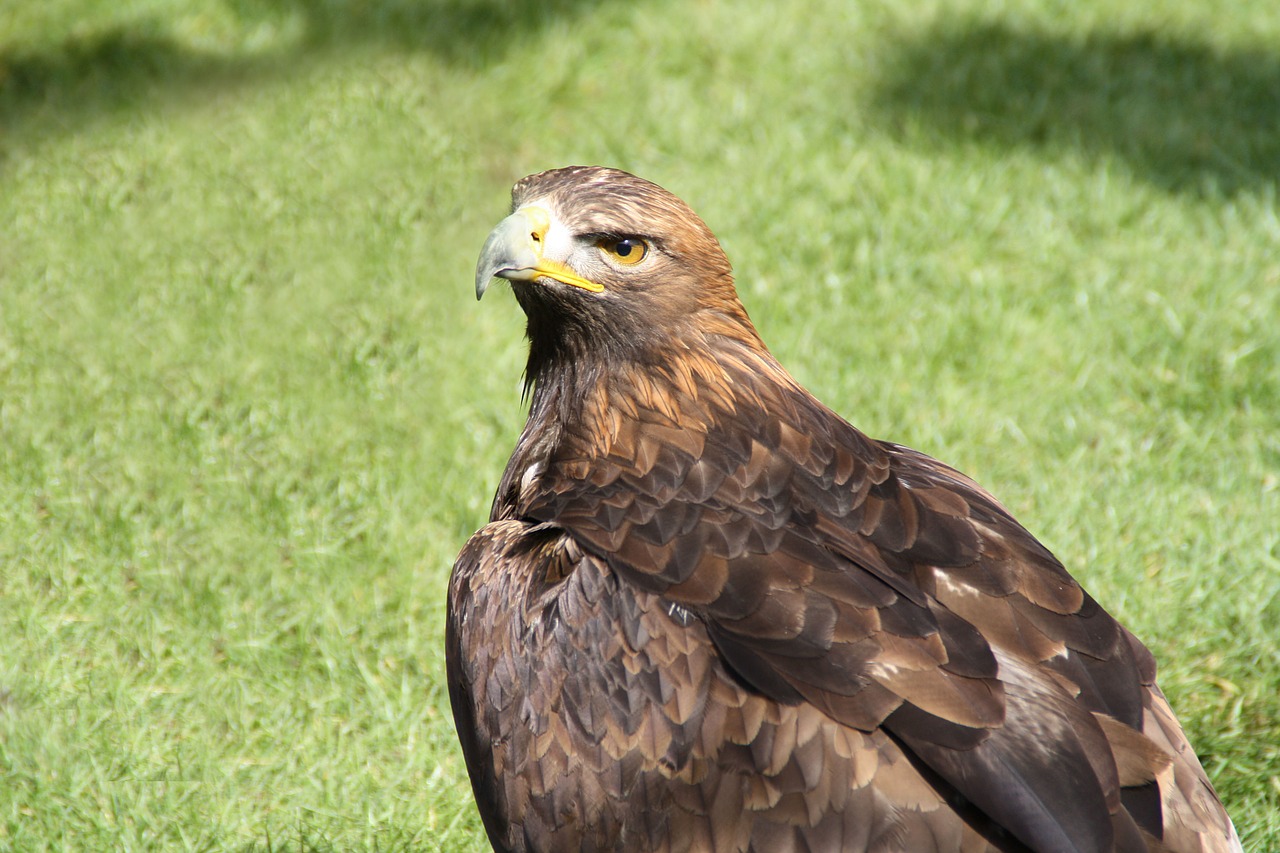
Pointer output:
x,y
874,583
708,614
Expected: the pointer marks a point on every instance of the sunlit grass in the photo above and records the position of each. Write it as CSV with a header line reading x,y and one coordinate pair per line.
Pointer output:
x,y
249,409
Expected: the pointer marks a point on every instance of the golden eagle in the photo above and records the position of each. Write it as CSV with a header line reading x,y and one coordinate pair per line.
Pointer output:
x,y
707,614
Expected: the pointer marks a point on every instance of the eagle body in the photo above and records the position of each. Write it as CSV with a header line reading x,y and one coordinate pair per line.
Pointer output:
x,y
708,614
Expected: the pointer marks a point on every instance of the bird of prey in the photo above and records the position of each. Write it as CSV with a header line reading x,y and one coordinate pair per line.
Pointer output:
x,y
708,614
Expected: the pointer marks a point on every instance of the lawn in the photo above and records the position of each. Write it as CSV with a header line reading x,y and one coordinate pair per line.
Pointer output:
x,y
250,410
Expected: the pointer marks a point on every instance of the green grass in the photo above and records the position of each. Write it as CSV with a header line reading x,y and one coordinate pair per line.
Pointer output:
x,y
249,409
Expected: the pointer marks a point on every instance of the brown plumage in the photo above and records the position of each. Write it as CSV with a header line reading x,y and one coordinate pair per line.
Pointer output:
x,y
708,614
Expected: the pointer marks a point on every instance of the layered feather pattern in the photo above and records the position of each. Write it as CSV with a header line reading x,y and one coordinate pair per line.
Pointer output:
x,y
708,614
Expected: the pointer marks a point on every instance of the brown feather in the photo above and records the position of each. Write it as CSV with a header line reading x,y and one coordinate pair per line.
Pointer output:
x,y
708,614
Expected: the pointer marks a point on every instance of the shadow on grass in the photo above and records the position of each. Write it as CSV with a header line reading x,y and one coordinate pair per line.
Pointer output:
x,y
1185,116
62,87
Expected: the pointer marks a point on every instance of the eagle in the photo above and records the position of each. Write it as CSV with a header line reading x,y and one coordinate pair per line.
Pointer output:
x,y
708,614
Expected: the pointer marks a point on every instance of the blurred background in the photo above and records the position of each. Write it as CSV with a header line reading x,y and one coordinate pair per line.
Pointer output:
x,y
250,410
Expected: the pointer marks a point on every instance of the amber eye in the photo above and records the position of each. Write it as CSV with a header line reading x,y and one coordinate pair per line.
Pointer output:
x,y
627,250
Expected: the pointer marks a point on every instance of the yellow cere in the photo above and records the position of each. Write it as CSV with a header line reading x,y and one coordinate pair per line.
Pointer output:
x,y
539,223
539,219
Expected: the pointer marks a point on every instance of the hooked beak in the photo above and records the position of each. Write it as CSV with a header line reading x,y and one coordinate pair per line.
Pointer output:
x,y
514,252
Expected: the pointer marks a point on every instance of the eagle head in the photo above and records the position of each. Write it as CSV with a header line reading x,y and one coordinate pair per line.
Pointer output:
x,y
608,264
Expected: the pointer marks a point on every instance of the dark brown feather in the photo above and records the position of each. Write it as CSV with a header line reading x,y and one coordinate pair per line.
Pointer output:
x,y
709,614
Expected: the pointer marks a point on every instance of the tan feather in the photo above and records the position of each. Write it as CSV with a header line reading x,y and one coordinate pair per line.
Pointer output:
x,y
708,614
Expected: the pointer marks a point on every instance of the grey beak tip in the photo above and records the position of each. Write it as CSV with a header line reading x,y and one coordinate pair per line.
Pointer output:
x,y
505,252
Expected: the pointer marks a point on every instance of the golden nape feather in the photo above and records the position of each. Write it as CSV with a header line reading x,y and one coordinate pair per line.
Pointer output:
x,y
707,614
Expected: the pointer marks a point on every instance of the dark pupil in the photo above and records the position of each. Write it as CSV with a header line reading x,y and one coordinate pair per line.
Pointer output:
x,y
623,248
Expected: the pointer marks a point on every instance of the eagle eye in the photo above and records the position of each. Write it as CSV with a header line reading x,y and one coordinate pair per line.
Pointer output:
x,y
627,251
